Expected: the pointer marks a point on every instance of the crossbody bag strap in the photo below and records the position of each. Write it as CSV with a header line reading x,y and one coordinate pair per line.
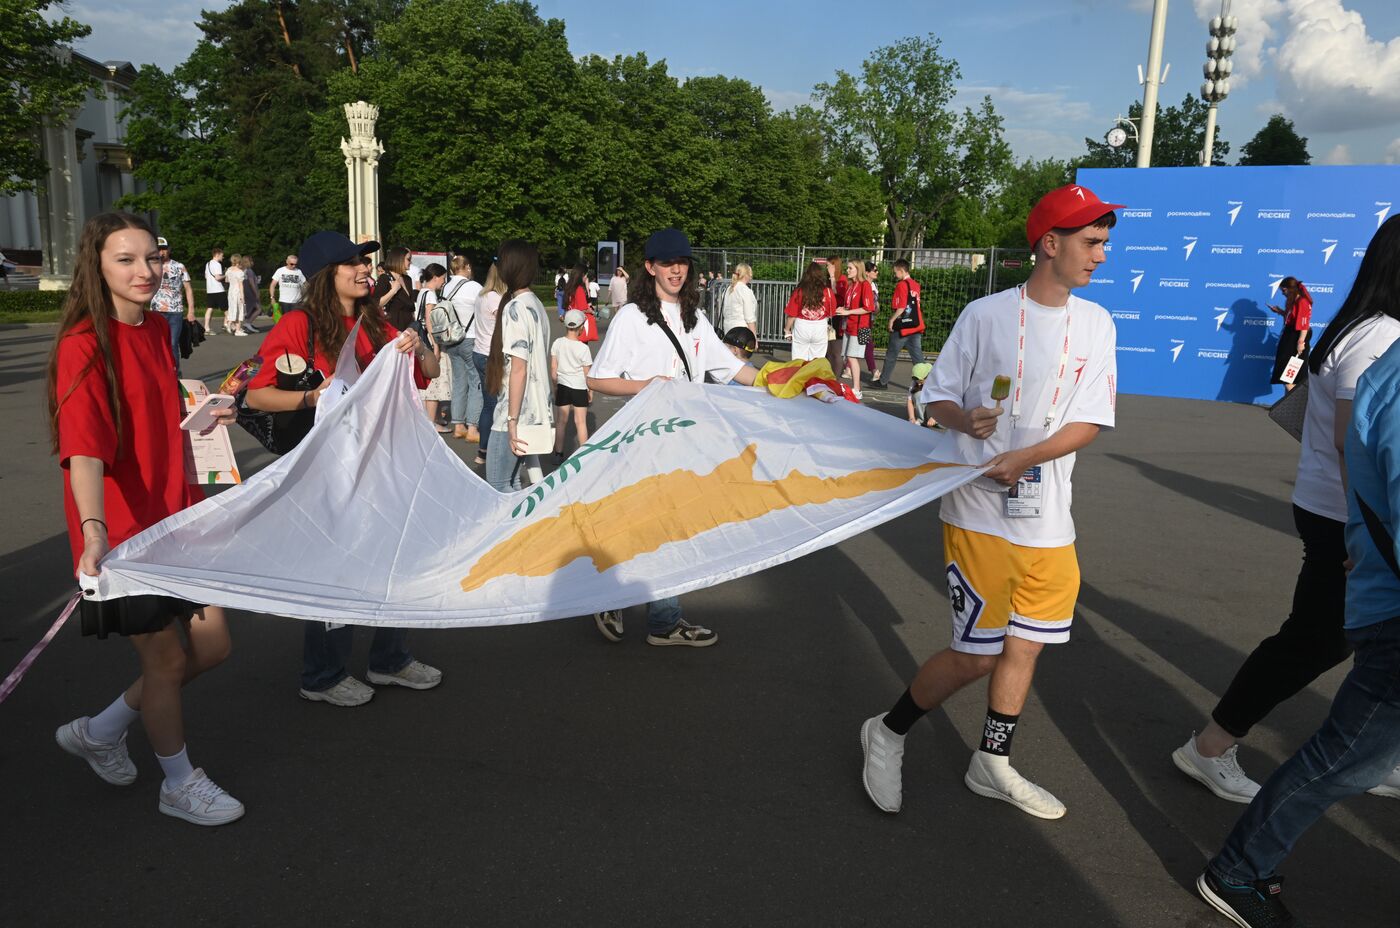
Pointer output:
x,y
1379,536
675,343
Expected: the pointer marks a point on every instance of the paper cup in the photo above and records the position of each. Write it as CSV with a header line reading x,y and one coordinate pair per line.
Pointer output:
x,y
290,367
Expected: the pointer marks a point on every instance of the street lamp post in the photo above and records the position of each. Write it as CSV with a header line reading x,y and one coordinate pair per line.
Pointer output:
x,y
1217,72
1151,83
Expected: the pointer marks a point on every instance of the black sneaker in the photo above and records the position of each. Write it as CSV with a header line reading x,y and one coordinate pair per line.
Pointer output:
x,y
609,623
1250,905
685,635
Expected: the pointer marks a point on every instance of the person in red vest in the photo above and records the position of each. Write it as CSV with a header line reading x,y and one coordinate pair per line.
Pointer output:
x,y
906,323
856,311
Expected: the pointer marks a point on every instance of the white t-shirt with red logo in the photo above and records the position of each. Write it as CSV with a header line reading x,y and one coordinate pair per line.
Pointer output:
x,y
982,347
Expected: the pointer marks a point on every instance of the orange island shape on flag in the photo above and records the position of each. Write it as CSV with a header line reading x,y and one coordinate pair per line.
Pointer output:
x,y
665,508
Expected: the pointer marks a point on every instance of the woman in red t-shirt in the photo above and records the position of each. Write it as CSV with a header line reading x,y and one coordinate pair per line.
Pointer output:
x,y
854,318
1297,329
812,303
337,295
577,291
114,417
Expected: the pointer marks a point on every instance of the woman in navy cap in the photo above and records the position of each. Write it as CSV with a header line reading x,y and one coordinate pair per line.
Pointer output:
x,y
338,294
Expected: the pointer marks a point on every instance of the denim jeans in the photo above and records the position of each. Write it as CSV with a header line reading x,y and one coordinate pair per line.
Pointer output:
x,y
663,614
488,403
176,322
504,470
913,343
325,651
1357,745
466,384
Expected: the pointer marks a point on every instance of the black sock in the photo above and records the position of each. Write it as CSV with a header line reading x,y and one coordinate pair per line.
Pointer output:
x,y
997,732
904,714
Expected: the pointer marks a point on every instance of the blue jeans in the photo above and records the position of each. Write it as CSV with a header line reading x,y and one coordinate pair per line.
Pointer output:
x,y
176,322
466,384
488,403
1357,745
324,653
912,342
663,614
504,470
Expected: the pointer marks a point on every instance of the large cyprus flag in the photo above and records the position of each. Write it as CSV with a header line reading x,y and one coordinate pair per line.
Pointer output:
x,y
372,520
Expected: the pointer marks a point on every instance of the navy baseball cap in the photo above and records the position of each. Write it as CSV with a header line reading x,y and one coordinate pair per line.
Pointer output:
x,y
325,248
667,245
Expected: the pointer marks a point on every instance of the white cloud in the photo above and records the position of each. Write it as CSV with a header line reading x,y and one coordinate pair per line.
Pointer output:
x,y
1052,108
163,33
784,100
1338,154
1256,33
1392,152
1334,76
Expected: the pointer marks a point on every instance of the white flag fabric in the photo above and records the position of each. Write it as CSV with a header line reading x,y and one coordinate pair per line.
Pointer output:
x,y
373,520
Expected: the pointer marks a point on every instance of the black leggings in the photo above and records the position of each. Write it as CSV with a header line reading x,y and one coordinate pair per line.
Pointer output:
x,y
1308,645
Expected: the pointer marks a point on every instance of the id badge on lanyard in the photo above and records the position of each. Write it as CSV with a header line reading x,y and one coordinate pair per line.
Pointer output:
x,y
1027,498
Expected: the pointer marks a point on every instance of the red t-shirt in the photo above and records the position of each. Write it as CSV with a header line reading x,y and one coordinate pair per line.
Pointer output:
x,y
1299,315
143,479
902,291
795,308
289,335
859,295
579,300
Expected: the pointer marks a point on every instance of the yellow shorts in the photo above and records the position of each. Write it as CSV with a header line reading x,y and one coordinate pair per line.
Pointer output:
x,y
997,589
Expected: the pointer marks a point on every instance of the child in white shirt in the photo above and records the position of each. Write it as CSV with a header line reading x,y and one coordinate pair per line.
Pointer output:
x,y
570,360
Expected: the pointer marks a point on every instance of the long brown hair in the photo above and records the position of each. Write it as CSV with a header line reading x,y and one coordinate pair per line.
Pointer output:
x,y
649,301
518,264
576,280
814,284
322,304
90,301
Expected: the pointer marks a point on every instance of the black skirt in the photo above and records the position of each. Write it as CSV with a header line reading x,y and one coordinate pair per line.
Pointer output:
x,y
1287,350
132,615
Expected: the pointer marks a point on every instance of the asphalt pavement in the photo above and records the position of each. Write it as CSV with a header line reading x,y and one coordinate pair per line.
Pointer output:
x,y
557,779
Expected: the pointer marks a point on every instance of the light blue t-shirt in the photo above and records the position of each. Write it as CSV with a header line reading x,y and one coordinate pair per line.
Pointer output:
x,y
1373,475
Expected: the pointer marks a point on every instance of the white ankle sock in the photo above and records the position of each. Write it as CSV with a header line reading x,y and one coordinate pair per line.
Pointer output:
x,y
108,725
177,768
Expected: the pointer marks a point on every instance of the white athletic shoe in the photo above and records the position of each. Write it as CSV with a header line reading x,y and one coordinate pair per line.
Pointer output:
x,y
348,692
201,801
1221,775
1389,787
884,762
109,761
992,775
415,675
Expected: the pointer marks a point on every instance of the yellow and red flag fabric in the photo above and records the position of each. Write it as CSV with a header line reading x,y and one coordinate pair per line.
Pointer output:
x,y
374,520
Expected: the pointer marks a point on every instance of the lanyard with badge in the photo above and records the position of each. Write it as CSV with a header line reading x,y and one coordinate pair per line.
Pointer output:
x,y
1026,499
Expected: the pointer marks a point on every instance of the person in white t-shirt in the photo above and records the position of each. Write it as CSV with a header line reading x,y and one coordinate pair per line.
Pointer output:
x,y
569,363
517,370
1008,538
740,305
215,296
1311,641
463,292
663,335
284,293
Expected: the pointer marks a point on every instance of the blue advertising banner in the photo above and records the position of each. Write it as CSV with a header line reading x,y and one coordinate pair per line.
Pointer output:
x,y
1195,261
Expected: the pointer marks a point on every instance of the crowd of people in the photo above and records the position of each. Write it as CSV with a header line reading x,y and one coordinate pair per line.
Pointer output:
x,y
1008,538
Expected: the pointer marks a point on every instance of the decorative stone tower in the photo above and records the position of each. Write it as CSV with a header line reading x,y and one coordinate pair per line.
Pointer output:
x,y
362,152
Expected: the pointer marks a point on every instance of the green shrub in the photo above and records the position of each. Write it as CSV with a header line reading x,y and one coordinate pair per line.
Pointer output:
x,y
31,305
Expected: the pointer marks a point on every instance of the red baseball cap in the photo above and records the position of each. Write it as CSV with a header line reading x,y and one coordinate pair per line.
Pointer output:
x,y
1067,207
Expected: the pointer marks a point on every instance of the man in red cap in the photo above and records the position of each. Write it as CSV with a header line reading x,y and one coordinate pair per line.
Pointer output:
x,y
1029,374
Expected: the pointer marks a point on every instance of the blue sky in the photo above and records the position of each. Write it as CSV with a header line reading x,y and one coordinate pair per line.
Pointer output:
x,y
1057,70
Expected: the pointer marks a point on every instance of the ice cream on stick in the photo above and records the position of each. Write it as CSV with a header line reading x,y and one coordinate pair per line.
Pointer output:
x,y
1001,388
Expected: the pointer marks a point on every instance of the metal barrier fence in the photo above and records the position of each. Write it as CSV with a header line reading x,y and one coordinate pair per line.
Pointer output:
x,y
949,279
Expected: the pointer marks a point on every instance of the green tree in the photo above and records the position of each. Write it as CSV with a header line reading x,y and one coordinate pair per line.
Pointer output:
x,y
1000,218
1276,143
38,79
1178,135
896,121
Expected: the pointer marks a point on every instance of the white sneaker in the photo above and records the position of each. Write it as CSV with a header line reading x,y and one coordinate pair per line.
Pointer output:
x,y
1221,775
415,675
201,801
348,692
992,775
109,761
882,773
240,332
1389,787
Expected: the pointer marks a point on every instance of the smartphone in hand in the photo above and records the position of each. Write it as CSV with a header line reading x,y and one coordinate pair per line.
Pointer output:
x,y
202,416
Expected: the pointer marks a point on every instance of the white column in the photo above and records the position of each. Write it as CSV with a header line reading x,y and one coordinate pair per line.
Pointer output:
x,y
61,201
1149,94
362,151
